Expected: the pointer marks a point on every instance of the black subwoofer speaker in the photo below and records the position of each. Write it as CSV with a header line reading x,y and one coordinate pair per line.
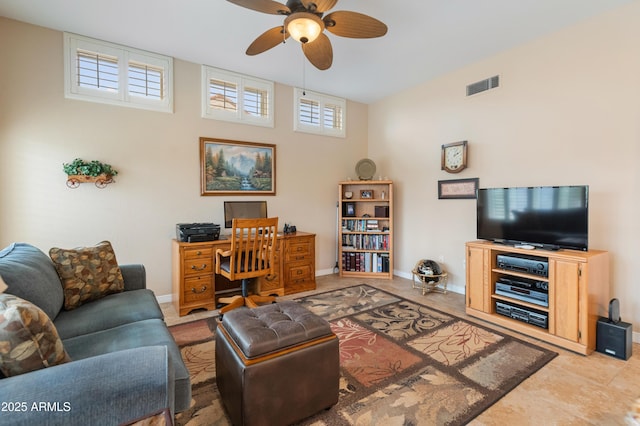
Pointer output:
x,y
614,338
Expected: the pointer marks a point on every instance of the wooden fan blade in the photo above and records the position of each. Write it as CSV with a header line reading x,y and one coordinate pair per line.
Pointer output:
x,y
319,52
267,40
264,6
354,25
320,5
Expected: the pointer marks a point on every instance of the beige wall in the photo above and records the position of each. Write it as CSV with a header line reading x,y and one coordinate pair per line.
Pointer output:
x,y
567,112
157,155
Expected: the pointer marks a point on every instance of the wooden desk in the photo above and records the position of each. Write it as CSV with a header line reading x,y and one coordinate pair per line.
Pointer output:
x,y
196,286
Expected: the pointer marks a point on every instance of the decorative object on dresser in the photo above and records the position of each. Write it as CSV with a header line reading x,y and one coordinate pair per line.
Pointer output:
x,y
365,229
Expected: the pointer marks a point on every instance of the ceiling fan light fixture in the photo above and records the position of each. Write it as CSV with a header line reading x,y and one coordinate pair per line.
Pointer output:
x,y
304,27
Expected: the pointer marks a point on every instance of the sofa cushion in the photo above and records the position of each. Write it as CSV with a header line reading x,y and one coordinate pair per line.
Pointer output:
x,y
31,276
87,273
151,332
28,339
110,311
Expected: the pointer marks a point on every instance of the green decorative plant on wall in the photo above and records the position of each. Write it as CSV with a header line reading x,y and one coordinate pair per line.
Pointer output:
x,y
80,171
88,168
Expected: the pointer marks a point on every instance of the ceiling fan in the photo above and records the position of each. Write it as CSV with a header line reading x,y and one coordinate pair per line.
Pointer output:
x,y
305,23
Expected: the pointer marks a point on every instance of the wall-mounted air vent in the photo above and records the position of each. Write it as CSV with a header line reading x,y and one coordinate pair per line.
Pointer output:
x,y
481,86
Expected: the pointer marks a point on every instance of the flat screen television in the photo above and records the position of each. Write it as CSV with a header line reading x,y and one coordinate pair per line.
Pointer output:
x,y
549,217
243,210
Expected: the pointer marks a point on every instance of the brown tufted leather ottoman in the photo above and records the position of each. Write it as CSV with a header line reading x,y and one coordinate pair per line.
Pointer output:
x,y
276,364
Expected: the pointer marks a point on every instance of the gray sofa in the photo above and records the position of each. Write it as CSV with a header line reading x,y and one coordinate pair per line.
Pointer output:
x,y
125,363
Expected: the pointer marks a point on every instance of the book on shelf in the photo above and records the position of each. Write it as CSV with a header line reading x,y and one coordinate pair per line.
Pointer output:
x,y
365,262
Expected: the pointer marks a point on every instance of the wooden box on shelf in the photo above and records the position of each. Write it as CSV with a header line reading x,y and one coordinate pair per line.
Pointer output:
x,y
365,231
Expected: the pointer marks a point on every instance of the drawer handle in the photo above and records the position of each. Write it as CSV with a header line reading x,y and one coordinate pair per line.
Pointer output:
x,y
202,290
195,268
198,253
299,272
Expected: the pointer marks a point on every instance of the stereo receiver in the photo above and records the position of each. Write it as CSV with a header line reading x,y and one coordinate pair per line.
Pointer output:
x,y
528,264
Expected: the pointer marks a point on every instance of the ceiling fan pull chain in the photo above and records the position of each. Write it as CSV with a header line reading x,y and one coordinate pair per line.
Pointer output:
x,y
304,78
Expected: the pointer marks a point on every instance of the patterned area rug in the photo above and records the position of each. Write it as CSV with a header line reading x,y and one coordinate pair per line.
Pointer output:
x,y
401,363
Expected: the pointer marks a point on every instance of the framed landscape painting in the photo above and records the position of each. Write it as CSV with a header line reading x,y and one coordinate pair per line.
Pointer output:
x,y
237,168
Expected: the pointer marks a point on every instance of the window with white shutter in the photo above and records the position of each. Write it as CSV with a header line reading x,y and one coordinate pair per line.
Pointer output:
x,y
319,114
99,71
235,97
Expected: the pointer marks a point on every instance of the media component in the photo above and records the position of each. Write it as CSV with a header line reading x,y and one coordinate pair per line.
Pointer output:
x,y
527,264
243,210
613,336
547,217
536,292
520,313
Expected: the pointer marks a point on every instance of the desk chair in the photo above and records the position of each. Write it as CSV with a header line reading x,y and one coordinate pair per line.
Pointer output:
x,y
253,246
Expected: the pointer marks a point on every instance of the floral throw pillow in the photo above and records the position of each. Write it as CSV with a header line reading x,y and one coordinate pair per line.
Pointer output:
x,y
28,339
87,273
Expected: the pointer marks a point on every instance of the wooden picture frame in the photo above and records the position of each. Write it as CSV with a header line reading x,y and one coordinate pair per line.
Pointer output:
x,y
349,209
366,193
458,188
230,167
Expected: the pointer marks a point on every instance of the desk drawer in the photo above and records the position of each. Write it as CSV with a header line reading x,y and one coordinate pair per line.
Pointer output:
x,y
298,271
198,289
299,249
198,266
199,253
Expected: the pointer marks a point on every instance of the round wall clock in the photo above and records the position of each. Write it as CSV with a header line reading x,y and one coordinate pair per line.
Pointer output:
x,y
454,157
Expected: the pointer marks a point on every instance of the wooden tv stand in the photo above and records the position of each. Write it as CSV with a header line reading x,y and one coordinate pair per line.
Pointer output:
x,y
578,285
195,284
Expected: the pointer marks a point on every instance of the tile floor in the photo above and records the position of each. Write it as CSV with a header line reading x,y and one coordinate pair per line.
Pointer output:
x,y
571,390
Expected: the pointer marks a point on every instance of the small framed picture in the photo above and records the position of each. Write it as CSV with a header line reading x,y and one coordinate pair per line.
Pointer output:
x,y
457,188
366,193
348,209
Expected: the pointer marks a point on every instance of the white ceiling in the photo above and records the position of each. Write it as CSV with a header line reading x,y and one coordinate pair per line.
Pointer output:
x,y
426,38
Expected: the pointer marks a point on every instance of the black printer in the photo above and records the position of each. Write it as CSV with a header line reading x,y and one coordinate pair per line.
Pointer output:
x,y
194,232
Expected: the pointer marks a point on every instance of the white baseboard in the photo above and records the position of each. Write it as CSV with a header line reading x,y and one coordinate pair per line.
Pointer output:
x,y
452,288
165,298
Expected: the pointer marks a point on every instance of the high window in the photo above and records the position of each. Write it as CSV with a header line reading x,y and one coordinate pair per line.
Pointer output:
x,y
99,71
319,114
235,97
